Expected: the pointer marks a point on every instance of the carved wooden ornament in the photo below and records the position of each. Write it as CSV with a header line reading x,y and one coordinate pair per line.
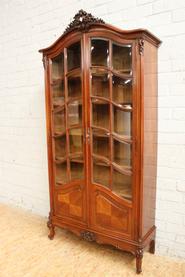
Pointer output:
x,y
89,236
82,21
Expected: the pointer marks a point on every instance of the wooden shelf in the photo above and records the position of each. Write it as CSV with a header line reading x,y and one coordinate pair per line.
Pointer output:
x,y
77,161
57,81
121,138
101,132
122,106
58,102
59,134
78,99
99,158
76,72
101,129
106,101
122,169
59,160
103,69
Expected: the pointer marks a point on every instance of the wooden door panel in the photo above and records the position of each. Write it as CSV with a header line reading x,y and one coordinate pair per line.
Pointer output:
x,y
109,213
70,202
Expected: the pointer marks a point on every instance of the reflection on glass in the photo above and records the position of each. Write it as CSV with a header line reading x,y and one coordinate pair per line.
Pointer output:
x,y
75,140
100,114
74,87
122,122
60,147
58,94
61,173
59,121
99,52
75,113
74,56
122,154
101,173
122,185
57,67
100,85
122,58
101,145
77,171
122,91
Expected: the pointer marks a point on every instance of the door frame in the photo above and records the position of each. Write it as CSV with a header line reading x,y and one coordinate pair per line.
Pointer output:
x,y
113,36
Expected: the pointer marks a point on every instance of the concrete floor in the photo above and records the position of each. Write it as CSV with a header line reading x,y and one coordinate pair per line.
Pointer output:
x,y
25,251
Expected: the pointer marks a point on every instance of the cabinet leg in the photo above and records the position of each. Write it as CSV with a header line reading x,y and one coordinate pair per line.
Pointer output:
x,y
51,232
152,247
51,227
139,257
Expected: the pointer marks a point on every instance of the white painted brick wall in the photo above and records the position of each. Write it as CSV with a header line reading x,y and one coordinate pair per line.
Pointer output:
x,y
28,25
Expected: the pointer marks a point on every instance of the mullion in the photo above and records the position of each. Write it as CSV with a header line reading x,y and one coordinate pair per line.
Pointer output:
x,y
66,113
111,114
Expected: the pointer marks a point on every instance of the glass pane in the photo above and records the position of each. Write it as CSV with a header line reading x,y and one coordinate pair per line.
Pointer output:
x,y
122,91
57,69
122,122
101,173
74,56
101,145
58,93
122,58
75,113
74,87
99,52
100,116
77,170
59,121
122,154
75,140
60,147
122,184
61,173
100,85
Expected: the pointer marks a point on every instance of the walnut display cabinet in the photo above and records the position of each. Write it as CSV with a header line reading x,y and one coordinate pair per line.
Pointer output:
x,y
101,104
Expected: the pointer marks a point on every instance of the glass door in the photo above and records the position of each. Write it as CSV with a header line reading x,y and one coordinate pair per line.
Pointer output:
x,y
68,142
66,87
111,116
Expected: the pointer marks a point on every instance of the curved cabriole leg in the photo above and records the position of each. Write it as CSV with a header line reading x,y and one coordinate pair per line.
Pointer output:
x,y
51,227
152,247
139,257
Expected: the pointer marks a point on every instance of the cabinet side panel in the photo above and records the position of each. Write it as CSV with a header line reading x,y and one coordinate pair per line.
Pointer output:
x,y
149,136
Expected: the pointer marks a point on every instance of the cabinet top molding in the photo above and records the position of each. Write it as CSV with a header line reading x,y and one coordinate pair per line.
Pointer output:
x,y
83,22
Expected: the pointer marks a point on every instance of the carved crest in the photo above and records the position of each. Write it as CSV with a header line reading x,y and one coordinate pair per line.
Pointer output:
x,y
82,21
89,236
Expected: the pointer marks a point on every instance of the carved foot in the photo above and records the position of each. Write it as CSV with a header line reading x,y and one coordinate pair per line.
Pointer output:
x,y
51,227
152,247
139,257
51,232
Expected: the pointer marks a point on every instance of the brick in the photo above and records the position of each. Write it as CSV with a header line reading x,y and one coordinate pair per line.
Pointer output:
x,y
171,138
181,186
164,18
164,66
142,2
166,184
179,114
137,12
166,5
170,196
178,15
175,228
